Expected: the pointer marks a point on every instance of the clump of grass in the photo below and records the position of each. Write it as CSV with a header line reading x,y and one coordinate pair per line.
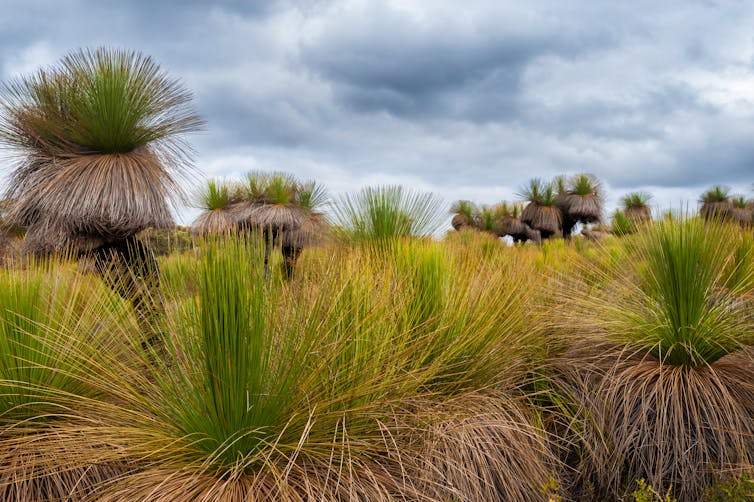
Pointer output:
x,y
733,489
55,324
670,298
645,493
481,446
697,322
379,213
45,322
662,377
488,221
621,224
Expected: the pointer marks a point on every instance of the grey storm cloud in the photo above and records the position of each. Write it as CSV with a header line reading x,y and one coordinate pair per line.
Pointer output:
x,y
470,100
384,60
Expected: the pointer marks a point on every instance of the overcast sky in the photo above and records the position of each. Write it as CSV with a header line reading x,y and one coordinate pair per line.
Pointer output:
x,y
468,99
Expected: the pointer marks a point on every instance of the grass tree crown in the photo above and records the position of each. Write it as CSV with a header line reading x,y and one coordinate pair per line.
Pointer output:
x,y
635,200
464,214
215,198
216,194
539,192
716,203
636,206
582,200
103,101
277,201
542,212
680,293
717,193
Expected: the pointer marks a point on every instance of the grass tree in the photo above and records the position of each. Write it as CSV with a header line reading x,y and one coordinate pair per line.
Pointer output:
x,y
464,214
716,204
742,210
636,207
99,138
542,212
518,230
580,201
215,199
276,204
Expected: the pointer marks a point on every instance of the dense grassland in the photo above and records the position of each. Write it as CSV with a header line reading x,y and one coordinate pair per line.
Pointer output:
x,y
274,354
408,369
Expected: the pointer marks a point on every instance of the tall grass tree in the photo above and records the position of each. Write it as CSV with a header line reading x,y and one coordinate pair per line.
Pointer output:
x,y
277,205
100,157
636,207
581,201
215,198
542,212
519,231
716,204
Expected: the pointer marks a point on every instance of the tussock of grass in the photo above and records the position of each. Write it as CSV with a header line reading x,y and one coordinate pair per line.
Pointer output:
x,y
481,447
678,427
671,294
54,326
378,213
661,383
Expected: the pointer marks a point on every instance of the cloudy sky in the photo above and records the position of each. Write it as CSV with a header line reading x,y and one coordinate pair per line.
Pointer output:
x,y
468,99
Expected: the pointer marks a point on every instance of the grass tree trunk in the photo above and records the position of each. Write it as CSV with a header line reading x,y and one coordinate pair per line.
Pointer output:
x,y
130,268
568,225
269,240
290,257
